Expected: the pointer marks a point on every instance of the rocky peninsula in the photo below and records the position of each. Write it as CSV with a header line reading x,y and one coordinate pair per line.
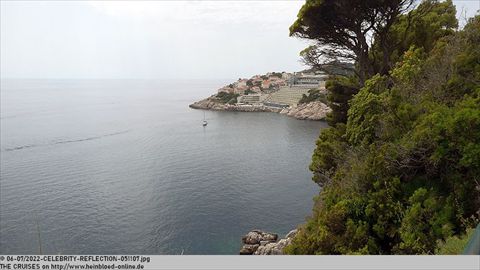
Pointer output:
x,y
302,96
212,103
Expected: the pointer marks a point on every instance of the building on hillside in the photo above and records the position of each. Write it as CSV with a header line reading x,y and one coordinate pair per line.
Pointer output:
x,y
241,83
308,79
286,76
240,89
256,89
265,84
277,82
274,79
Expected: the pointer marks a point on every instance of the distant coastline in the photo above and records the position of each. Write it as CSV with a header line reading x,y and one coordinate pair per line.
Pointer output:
x,y
300,95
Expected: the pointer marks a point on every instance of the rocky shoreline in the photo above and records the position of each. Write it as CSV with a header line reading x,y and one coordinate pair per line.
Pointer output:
x,y
258,242
315,110
211,104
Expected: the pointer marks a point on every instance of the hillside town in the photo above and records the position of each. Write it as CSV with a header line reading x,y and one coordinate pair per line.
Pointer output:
x,y
280,92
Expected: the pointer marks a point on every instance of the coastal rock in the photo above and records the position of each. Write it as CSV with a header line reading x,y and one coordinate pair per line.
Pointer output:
x,y
315,110
252,238
291,233
276,248
263,243
269,249
211,104
256,239
248,249
257,236
208,104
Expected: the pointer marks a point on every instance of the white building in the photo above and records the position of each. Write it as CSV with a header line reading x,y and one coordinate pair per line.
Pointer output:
x,y
308,79
286,76
265,84
241,83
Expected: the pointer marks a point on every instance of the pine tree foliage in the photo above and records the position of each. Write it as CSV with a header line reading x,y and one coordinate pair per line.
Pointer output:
x,y
400,168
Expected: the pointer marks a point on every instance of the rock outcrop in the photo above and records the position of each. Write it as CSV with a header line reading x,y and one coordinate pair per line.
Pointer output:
x,y
254,239
257,242
211,104
315,110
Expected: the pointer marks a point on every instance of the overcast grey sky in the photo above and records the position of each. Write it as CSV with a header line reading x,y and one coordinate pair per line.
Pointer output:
x,y
151,39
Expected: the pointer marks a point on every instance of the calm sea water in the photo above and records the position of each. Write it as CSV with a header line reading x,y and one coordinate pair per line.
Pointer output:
x,y
125,167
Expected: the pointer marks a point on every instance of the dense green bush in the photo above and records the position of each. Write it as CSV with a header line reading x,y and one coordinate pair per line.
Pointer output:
x,y
400,175
248,92
454,245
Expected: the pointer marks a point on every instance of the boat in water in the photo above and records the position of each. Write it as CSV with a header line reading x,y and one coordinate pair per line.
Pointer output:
x,y
205,123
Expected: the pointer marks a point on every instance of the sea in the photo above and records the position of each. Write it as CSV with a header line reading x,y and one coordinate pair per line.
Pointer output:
x,y
126,167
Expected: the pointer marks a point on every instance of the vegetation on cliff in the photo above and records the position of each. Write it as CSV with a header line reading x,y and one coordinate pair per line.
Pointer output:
x,y
399,167
226,98
313,95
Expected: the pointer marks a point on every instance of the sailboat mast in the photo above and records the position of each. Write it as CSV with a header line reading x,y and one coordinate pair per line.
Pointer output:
x,y
204,120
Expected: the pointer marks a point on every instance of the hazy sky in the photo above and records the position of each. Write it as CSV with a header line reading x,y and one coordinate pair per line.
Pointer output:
x,y
151,39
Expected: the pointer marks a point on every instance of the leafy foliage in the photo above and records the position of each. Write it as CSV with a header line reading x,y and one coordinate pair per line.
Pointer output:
x,y
276,74
400,170
313,95
341,29
454,245
224,97
248,92
341,90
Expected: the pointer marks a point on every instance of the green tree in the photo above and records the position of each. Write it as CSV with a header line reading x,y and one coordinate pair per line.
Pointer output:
x,y
340,91
341,28
420,27
400,176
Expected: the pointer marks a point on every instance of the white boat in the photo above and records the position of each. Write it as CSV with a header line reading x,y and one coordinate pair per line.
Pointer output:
x,y
205,123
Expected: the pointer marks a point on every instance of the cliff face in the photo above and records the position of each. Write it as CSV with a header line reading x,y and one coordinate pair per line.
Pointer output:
x,y
309,111
315,110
